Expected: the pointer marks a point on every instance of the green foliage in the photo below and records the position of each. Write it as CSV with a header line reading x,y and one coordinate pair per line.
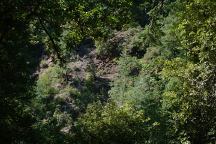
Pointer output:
x,y
113,124
18,62
191,102
145,91
29,26
51,106
132,41
164,91
128,70
60,101
49,82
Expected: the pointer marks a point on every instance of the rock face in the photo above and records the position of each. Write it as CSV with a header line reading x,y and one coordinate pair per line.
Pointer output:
x,y
87,68
84,79
86,63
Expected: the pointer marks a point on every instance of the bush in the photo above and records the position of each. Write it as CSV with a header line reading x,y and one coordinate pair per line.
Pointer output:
x,y
128,72
49,81
113,124
130,41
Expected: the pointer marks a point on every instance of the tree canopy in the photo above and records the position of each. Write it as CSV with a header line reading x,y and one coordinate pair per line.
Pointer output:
x,y
107,71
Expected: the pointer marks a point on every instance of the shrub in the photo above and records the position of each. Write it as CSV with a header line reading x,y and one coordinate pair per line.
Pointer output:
x,y
130,41
49,81
113,124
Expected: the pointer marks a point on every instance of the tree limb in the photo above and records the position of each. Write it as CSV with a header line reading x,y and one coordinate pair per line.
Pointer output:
x,y
55,47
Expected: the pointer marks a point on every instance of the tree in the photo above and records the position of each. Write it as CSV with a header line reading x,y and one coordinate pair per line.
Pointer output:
x,y
113,124
194,72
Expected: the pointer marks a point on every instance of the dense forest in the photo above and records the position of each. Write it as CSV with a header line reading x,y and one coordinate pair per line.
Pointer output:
x,y
107,72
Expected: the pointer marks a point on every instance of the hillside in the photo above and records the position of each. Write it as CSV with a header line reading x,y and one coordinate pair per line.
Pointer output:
x,y
107,72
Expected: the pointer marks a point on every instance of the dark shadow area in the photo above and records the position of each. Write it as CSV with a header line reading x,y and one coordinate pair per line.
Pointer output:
x,y
19,61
